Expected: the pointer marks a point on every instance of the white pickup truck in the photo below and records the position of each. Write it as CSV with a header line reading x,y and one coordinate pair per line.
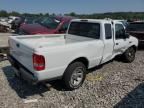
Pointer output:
x,y
88,43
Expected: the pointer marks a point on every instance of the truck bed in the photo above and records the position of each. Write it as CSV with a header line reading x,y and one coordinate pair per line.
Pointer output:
x,y
23,47
41,41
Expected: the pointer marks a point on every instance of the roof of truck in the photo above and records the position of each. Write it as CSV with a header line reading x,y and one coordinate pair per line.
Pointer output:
x,y
96,20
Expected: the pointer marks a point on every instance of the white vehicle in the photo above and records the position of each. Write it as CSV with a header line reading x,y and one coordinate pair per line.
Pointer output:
x,y
4,22
12,18
88,43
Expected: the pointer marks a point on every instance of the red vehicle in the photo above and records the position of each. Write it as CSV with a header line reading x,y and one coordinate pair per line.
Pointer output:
x,y
50,25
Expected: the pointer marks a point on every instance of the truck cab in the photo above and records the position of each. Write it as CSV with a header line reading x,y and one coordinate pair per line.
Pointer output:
x,y
110,32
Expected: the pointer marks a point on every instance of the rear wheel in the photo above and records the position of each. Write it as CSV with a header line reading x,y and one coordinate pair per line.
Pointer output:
x,y
74,75
129,55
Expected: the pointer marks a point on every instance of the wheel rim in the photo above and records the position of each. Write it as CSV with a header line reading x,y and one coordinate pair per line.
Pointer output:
x,y
77,76
131,54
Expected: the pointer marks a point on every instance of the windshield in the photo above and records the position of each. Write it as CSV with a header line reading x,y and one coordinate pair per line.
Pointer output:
x,y
125,23
29,21
136,27
51,23
85,29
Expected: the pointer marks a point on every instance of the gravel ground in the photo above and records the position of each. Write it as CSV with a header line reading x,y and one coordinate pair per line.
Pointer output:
x,y
115,84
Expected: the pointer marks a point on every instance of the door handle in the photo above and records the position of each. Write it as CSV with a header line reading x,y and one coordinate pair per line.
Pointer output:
x,y
117,43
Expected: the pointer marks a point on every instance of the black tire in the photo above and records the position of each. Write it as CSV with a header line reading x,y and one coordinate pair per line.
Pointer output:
x,y
129,55
70,75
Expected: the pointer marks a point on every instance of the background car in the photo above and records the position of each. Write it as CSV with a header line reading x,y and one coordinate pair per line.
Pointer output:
x,y
46,25
137,29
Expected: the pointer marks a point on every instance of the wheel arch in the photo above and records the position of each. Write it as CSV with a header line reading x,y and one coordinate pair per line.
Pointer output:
x,y
134,46
84,60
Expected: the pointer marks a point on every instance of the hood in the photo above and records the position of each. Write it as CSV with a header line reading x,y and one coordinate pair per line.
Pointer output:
x,y
36,29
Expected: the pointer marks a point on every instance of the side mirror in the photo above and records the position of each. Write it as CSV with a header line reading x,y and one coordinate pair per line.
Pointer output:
x,y
127,35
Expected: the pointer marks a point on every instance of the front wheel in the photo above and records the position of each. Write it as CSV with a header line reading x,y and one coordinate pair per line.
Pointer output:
x,y
129,55
74,75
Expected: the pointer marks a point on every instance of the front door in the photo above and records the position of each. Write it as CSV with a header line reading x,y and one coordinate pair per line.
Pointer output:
x,y
120,41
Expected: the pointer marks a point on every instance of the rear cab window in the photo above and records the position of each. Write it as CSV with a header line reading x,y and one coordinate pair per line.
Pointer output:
x,y
85,29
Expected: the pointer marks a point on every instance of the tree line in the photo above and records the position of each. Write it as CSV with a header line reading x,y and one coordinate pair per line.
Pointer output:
x,y
4,13
112,15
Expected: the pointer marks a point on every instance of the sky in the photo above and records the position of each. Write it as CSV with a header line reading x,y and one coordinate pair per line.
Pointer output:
x,y
67,6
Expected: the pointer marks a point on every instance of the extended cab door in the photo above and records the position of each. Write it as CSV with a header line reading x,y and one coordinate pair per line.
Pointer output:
x,y
120,41
108,42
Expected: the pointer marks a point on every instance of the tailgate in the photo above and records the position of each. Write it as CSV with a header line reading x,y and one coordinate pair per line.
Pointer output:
x,y
21,53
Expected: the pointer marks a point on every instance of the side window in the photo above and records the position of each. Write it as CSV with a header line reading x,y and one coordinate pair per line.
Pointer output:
x,y
119,31
108,31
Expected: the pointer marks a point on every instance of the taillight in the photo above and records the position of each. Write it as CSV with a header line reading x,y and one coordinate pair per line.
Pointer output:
x,y
38,62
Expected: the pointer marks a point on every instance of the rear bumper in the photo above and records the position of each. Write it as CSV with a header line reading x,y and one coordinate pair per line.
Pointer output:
x,y
22,71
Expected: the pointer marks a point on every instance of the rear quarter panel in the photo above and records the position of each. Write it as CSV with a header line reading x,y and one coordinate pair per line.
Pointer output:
x,y
58,58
